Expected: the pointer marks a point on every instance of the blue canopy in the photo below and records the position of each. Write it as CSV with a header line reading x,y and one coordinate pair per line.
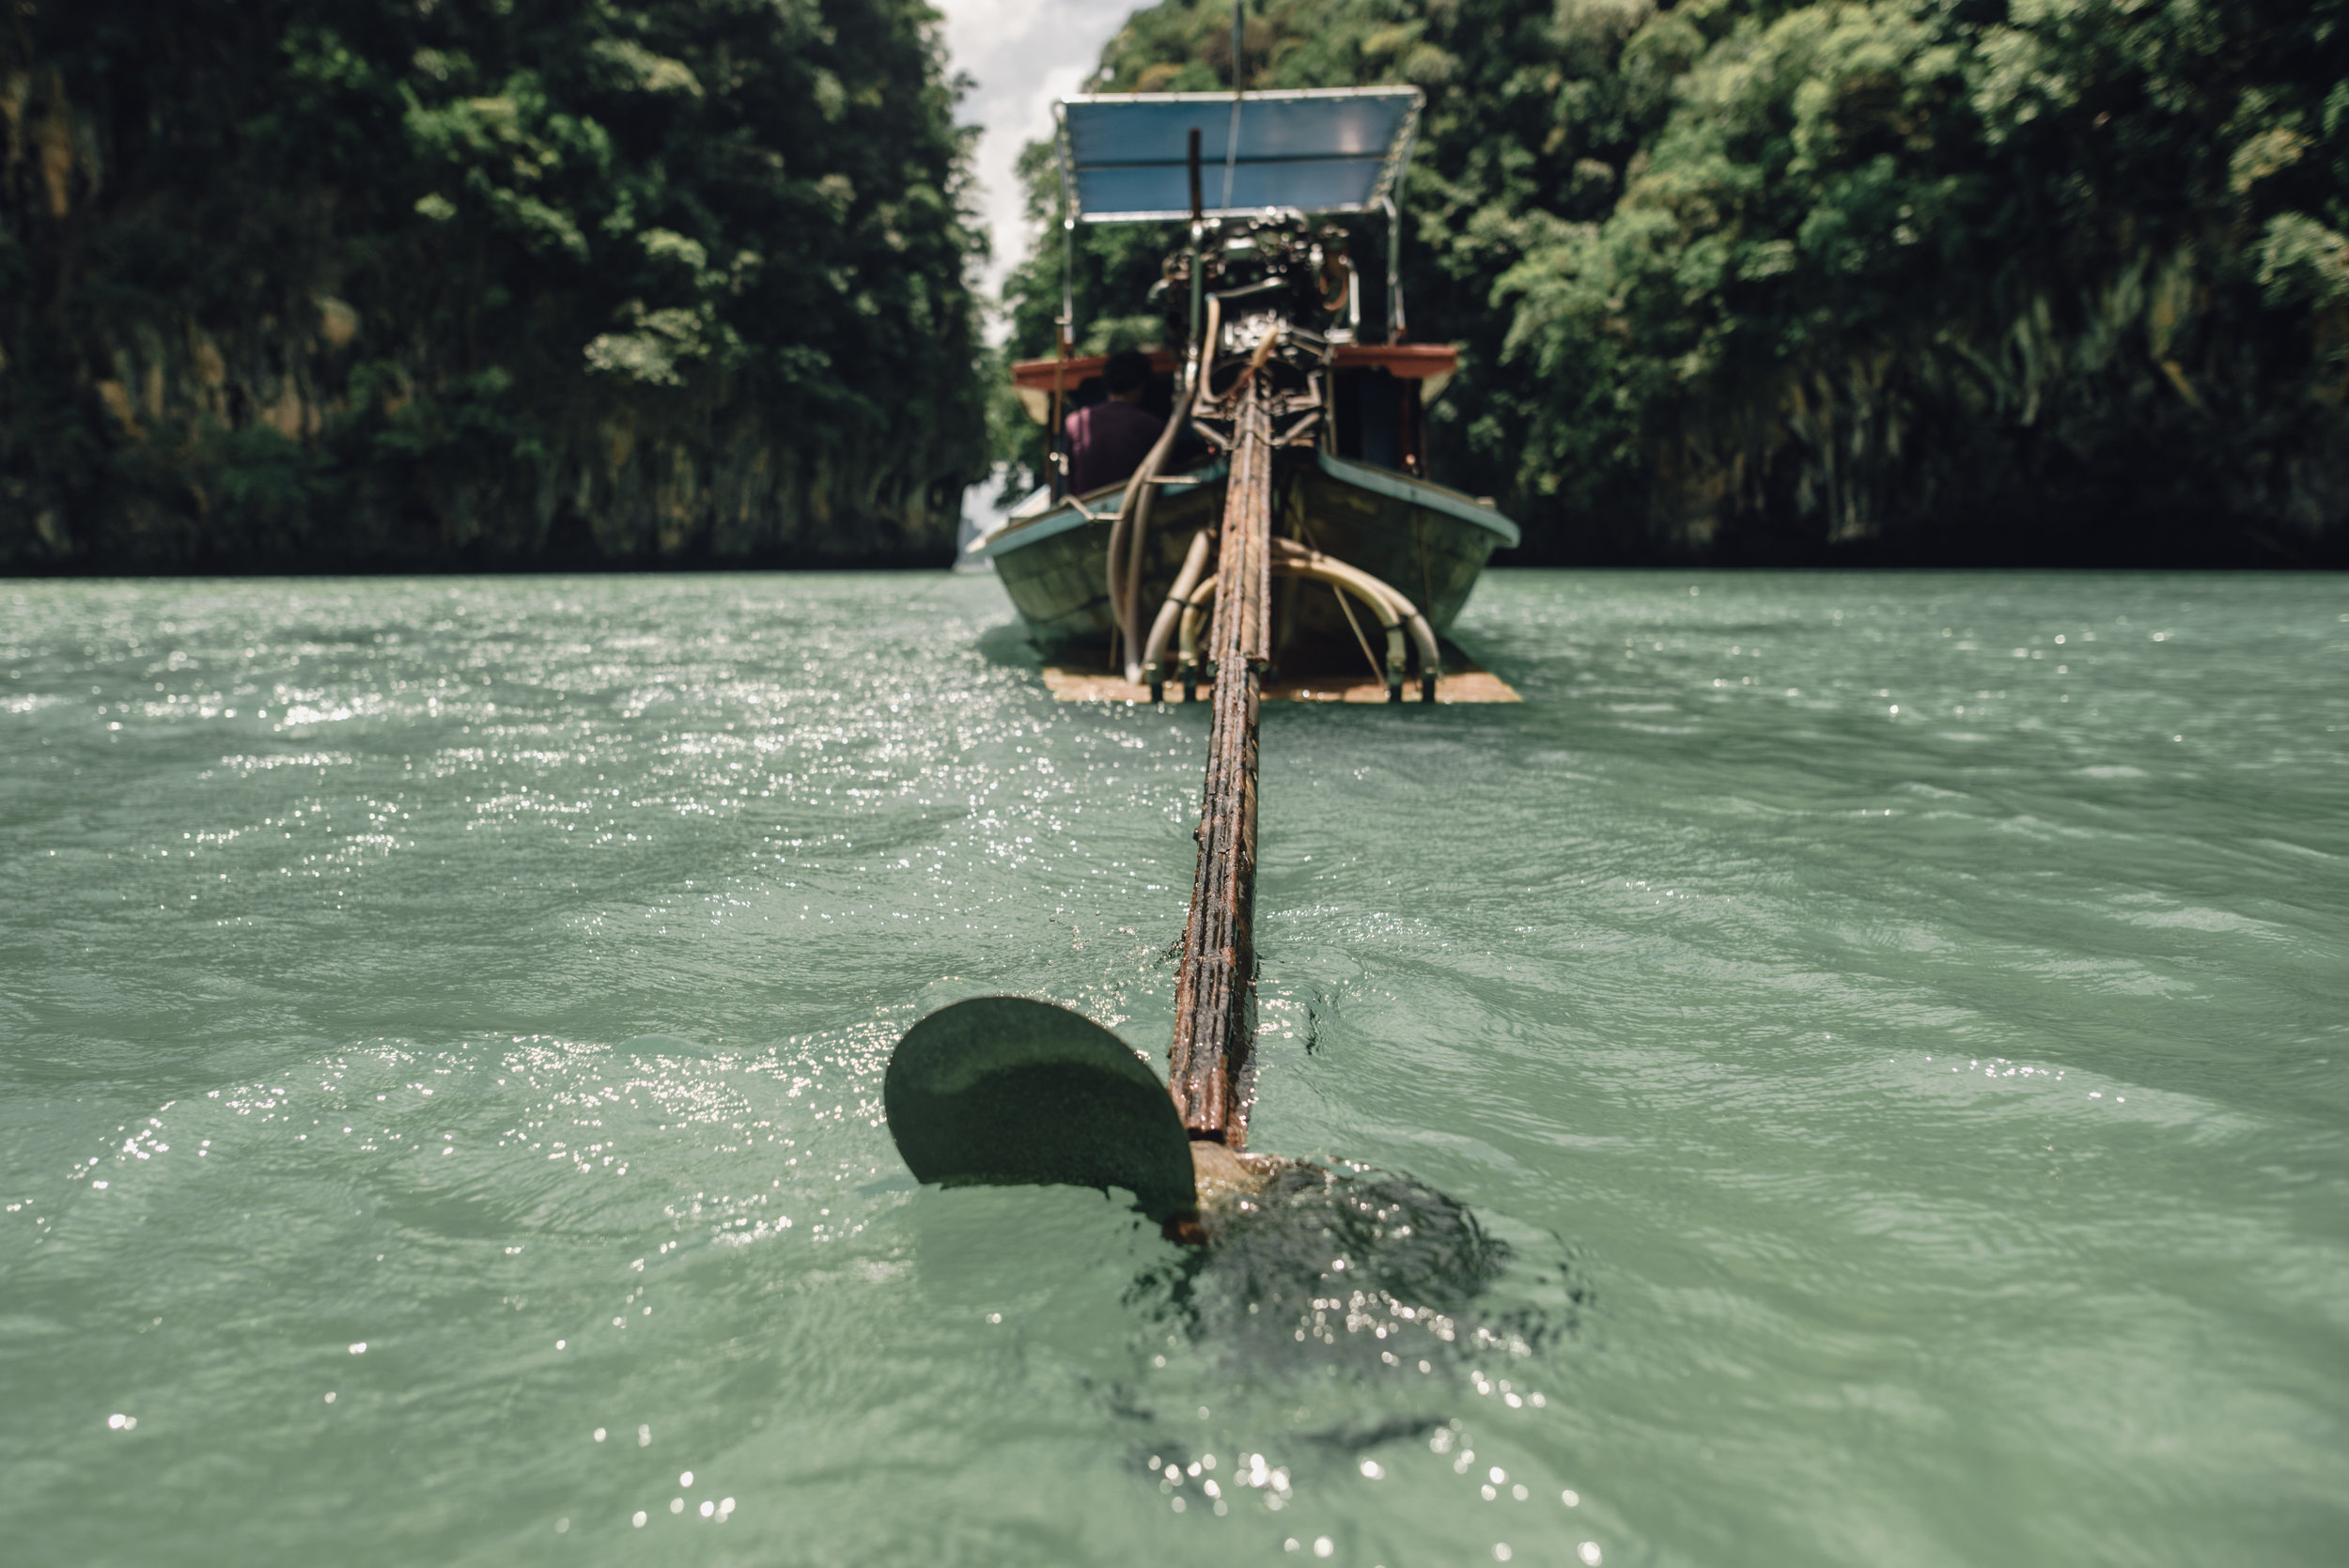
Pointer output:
x,y
1124,158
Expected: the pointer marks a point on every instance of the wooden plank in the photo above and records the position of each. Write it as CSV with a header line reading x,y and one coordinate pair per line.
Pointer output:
x,y
1462,682
1404,360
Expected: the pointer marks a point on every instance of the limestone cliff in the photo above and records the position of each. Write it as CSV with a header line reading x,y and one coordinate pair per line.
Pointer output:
x,y
293,286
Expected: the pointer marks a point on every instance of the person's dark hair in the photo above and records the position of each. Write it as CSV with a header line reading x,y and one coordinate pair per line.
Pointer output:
x,y
1126,369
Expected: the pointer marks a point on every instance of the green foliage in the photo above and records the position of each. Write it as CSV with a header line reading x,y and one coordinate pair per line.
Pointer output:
x,y
1748,279
481,256
2303,262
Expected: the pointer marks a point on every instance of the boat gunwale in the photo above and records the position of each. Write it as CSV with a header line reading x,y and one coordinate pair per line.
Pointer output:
x,y
1411,489
1068,513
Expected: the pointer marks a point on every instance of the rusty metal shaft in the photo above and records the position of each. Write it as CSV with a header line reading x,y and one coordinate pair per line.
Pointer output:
x,y
1215,993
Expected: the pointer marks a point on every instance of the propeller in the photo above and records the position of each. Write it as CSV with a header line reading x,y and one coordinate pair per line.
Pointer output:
x,y
1006,1091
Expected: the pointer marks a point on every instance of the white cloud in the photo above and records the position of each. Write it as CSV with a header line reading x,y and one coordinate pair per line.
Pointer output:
x,y
1024,54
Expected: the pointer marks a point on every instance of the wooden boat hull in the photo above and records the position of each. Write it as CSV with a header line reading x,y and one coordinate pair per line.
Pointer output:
x,y
1426,540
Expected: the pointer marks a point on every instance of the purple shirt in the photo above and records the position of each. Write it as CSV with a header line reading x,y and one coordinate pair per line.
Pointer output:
x,y
1107,443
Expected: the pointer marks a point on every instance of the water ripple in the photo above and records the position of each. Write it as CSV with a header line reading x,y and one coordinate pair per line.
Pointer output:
x,y
1870,1048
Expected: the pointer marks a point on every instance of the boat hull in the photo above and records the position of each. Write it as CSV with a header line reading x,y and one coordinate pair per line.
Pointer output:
x,y
1428,542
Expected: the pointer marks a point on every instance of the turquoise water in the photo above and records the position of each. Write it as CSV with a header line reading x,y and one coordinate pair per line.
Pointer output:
x,y
1888,1031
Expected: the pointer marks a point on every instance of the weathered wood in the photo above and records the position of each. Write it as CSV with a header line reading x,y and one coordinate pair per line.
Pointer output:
x,y
1463,681
1215,992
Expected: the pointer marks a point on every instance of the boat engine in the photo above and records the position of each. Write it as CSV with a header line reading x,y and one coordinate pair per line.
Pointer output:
x,y
1272,263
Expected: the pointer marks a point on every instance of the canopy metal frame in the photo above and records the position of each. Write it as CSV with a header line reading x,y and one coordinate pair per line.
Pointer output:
x,y
1315,139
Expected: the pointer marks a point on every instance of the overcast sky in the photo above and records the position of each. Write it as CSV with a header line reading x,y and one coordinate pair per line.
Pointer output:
x,y
1024,54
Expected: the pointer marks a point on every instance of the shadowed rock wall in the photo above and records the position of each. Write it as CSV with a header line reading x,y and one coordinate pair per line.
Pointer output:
x,y
296,286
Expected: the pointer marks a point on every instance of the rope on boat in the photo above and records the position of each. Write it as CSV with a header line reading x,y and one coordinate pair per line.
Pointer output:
x,y
1346,608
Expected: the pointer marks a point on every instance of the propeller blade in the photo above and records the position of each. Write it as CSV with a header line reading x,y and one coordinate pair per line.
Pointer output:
x,y
1011,1091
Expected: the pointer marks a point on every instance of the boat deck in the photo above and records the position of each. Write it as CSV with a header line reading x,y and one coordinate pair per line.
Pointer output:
x,y
1463,680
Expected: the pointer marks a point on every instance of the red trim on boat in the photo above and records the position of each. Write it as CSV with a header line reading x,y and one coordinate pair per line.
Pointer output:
x,y
1410,362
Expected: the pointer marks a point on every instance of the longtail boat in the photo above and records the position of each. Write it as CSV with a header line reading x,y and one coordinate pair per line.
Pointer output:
x,y
1304,520
1369,550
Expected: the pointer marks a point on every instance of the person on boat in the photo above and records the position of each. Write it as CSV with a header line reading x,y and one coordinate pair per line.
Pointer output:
x,y
1107,442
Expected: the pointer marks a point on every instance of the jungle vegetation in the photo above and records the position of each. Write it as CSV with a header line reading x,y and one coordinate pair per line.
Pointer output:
x,y
292,284
2057,281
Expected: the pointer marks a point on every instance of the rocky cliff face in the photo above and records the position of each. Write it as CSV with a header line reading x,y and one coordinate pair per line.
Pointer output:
x,y
291,287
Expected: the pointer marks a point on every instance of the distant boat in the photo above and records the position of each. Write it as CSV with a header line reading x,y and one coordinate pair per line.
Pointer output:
x,y
1352,496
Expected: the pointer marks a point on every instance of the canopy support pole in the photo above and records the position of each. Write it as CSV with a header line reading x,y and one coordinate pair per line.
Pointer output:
x,y
1395,323
1239,90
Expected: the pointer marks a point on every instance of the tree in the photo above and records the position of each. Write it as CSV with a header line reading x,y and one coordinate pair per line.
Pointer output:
x,y
1903,280
285,283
